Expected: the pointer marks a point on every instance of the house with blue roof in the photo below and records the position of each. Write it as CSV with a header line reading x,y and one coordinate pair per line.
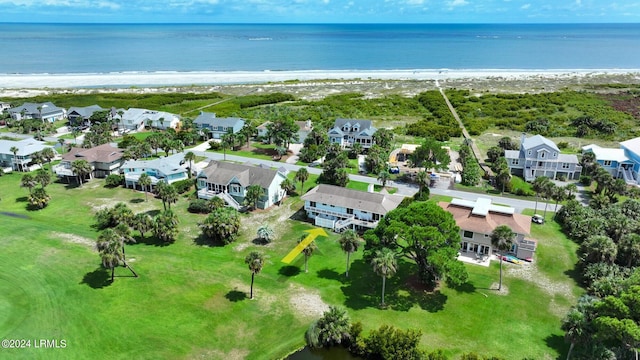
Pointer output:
x,y
47,112
212,127
347,132
167,169
539,156
81,115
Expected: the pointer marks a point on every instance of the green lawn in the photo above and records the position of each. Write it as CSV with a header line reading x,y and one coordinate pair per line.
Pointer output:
x,y
191,299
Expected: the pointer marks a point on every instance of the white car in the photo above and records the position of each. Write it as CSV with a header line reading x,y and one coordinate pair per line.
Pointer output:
x,y
538,219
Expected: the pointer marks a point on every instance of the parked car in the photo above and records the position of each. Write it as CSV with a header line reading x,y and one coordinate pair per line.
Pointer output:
x,y
538,219
394,170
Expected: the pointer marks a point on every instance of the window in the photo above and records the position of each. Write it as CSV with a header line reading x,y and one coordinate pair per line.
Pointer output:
x,y
515,161
529,152
467,234
486,235
350,211
542,154
565,165
312,203
606,163
555,154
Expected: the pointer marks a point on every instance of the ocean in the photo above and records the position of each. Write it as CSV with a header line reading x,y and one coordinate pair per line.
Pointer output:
x,y
134,48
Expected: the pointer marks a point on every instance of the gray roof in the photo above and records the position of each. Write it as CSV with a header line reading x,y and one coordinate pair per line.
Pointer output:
x,y
212,120
166,165
538,140
354,199
219,172
512,154
568,158
32,108
26,146
364,124
85,111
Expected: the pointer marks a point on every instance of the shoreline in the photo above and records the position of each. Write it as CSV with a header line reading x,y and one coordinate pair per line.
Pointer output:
x,y
406,82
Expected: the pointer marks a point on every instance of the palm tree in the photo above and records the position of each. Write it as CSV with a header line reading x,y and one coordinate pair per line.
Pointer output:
x,y
547,192
215,203
265,233
502,238
61,142
144,180
120,112
166,226
307,251
143,223
81,168
288,186
384,264
383,177
302,175
39,198
349,244
48,154
255,260
575,325
37,158
169,195
15,150
124,232
110,250
226,142
190,157
538,186
43,178
253,195
29,182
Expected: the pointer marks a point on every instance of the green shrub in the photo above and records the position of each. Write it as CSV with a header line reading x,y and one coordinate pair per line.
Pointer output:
x,y
114,180
563,145
183,186
214,145
199,206
585,180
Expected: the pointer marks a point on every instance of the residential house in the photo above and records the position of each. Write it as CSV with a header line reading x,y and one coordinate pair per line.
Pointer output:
x,y
80,115
539,156
347,132
339,208
620,163
4,106
167,169
213,127
263,130
304,128
136,119
477,220
105,159
230,182
47,112
22,160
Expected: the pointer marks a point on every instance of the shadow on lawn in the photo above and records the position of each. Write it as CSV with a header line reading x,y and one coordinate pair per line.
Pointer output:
x,y
203,240
363,289
136,201
557,342
97,279
22,199
289,270
235,296
151,240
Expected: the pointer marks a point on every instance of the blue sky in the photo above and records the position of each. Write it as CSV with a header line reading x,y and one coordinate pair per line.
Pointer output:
x,y
321,11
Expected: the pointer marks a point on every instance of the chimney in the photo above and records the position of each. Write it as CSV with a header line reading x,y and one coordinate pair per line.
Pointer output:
x,y
522,138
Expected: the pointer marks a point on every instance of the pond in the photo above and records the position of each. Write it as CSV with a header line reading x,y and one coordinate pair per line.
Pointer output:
x,y
334,353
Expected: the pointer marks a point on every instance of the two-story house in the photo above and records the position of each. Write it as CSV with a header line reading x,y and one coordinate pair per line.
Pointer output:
x,y
539,156
104,159
230,181
623,162
81,115
477,220
136,119
339,208
167,169
47,112
22,159
347,132
212,127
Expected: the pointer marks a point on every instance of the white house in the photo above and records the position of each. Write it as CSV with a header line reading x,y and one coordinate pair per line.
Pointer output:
x,y
167,169
22,160
347,132
136,119
230,182
623,162
339,208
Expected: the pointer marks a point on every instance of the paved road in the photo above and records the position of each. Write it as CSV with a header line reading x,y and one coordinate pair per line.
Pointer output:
x,y
405,189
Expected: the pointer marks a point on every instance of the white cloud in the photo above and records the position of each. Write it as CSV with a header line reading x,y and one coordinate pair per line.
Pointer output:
x,y
415,2
455,3
325,1
525,6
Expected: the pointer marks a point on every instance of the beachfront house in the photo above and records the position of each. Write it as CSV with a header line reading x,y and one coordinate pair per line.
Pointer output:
x,y
80,115
167,169
623,162
137,119
339,208
212,127
539,156
22,159
230,181
347,132
105,159
47,112
477,220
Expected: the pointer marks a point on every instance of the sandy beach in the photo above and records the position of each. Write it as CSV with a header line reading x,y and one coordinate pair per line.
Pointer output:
x,y
313,84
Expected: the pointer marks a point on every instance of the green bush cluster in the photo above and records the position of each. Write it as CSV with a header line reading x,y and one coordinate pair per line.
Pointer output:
x,y
114,180
183,186
199,206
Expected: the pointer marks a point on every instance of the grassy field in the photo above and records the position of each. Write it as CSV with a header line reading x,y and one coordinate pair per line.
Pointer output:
x,y
191,299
